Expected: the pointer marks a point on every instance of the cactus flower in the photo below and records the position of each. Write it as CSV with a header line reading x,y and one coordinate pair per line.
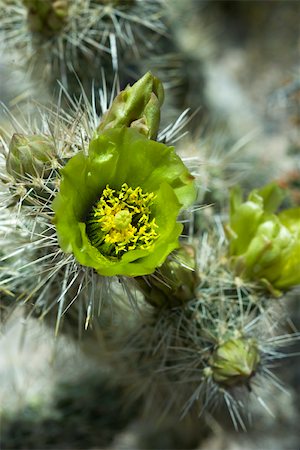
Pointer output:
x,y
117,206
264,245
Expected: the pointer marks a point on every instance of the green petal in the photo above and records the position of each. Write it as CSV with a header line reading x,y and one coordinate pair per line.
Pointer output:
x,y
290,274
244,221
265,246
142,162
291,219
268,251
272,196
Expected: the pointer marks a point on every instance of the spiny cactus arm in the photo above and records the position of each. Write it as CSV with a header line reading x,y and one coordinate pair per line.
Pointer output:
x,y
47,17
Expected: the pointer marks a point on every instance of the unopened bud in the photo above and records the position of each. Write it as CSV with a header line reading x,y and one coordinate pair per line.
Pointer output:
x,y
138,106
31,156
174,283
235,361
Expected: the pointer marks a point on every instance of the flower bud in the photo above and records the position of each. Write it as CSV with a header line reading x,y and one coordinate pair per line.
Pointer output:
x,y
138,106
31,155
264,245
235,361
175,282
267,249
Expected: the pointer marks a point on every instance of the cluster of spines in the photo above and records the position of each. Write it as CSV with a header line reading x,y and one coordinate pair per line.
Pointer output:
x,y
211,351
179,342
56,36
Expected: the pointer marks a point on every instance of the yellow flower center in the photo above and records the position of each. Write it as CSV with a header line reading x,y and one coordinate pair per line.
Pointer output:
x,y
120,221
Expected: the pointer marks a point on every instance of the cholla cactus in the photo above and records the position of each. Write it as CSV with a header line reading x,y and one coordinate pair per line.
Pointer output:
x,y
99,209
65,39
211,349
118,218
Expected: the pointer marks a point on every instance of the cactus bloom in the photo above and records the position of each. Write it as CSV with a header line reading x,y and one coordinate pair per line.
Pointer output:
x,y
117,206
264,245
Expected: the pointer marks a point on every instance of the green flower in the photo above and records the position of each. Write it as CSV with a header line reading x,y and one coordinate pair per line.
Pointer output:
x,y
264,245
117,206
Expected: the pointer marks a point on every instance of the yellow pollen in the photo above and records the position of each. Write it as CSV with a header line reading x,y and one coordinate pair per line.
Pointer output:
x,y
121,221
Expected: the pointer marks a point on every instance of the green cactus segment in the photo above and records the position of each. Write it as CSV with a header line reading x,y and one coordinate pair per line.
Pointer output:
x,y
264,245
138,107
235,361
174,283
116,158
47,17
31,156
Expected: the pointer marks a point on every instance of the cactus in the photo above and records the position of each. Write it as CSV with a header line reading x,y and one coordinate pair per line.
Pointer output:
x,y
144,257
74,41
195,316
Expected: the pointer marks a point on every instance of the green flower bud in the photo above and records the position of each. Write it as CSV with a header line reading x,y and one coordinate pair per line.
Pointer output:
x,y
235,361
264,245
290,272
138,106
175,282
267,250
31,156
117,206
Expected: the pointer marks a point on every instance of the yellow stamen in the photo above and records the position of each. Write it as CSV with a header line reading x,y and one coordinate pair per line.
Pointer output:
x,y
120,221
